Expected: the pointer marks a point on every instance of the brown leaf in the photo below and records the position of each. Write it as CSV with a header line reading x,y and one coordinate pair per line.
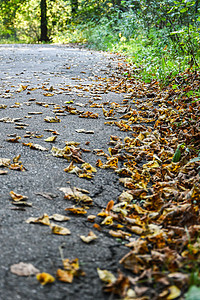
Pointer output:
x,y
110,205
65,276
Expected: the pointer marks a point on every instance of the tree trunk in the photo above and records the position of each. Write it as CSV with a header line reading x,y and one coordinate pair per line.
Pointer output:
x,y
43,25
74,7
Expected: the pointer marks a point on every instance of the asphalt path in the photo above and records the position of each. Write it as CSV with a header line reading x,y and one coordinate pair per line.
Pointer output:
x,y
36,81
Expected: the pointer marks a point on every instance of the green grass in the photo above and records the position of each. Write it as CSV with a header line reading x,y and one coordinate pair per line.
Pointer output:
x,y
153,55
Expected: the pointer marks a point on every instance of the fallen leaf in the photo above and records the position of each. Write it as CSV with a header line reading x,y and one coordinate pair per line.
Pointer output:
x,y
107,221
45,278
51,138
3,172
88,168
110,205
106,276
48,94
65,276
52,119
44,219
59,218
91,218
4,162
77,195
76,210
17,197
97,226
49,196
14,140
36,146
89,238
24,269
175,292
59,230
3,106
71,269
84,131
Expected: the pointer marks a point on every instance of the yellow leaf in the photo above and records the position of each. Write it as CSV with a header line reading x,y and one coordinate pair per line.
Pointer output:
x,y
136,229
88,168
86,175
102,214
51,138
59,230
42,220
45,278
112,163
72,143
151,165
52,119
76,210
71,265
106,276
174,292
48,94
107,221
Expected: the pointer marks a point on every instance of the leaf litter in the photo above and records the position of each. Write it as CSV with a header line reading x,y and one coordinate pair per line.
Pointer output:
x,y
157,214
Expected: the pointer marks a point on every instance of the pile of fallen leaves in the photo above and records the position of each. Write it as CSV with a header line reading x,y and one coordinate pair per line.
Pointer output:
x,y
159,165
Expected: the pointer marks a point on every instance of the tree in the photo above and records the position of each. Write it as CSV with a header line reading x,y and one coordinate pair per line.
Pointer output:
x,y
43,21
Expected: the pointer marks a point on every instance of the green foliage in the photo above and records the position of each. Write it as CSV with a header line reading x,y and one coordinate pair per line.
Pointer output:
x,y
193,293
177,155
161,38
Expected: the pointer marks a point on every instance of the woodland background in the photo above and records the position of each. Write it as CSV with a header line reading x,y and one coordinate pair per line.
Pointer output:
x,y
161,38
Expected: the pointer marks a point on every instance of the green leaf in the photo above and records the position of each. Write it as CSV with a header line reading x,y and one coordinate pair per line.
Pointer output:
x,y
183,10
193,293
177,155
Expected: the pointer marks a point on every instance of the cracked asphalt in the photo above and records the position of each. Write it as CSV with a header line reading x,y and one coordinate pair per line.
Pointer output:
x,y
27,73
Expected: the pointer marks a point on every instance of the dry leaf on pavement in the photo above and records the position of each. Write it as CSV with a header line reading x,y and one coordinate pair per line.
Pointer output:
x,y
24,269
89,238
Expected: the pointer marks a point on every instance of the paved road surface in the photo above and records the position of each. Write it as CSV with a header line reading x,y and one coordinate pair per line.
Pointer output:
x,y
27,73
